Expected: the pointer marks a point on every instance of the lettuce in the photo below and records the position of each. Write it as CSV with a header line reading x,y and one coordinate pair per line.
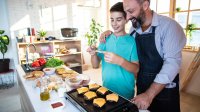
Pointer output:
x,y
54,62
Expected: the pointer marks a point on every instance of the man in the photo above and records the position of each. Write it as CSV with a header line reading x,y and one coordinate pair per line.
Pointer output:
x,y
119,67
159,41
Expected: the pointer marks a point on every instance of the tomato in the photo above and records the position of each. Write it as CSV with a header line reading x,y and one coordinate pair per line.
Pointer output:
x,y
35,64
42,61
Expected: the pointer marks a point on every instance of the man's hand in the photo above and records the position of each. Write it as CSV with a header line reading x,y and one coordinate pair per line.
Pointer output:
x,y
142,101
112,58
104,35
92,50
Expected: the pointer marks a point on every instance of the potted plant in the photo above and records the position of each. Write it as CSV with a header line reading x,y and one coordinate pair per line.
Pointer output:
x,y
189,30
4,41
92,35
178,9
42,34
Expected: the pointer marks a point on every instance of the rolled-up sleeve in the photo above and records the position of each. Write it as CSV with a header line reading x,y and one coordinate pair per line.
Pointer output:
x,y
172,44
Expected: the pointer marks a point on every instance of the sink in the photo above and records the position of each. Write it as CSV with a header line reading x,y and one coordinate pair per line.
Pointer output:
x,y
24,68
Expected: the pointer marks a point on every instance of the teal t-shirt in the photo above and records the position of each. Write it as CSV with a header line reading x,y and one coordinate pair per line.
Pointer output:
x,y
114,77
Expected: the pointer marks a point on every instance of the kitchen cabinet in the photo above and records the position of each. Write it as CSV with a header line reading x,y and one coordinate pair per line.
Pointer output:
x,y
68,51
193,85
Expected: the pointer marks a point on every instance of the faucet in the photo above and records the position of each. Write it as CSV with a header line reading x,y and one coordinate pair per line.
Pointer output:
x,y
27,46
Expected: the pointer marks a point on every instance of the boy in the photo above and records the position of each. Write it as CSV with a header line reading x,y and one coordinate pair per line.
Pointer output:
x,y
119,57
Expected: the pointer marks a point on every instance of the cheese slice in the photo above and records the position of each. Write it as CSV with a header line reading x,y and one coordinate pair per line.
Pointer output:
x,y
99,102
112,97
102,90
82,90
90,95
93,86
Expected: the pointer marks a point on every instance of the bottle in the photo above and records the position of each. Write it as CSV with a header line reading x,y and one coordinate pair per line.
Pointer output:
x,y
44,91
32,35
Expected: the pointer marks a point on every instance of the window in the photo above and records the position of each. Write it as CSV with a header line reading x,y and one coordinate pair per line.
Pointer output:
x,y
160,6
189,14
185,12
53,18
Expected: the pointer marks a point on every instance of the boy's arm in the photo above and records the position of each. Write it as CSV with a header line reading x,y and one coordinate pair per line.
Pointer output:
x,y
132,67
95,60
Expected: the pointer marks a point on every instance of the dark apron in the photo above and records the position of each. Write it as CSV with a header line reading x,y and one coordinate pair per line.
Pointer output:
x,y
168,100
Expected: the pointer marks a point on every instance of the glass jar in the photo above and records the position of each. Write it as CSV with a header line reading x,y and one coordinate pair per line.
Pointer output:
x,y
44,91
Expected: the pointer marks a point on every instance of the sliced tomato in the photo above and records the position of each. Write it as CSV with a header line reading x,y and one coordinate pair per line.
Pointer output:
x,y
42,61
35,64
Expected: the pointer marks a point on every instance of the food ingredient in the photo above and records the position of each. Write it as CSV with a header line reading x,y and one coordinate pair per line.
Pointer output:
x,y
42,61
39,62
35,64
44,95
54,62
57,104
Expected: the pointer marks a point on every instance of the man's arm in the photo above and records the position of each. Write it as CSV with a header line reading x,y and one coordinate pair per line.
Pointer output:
x,y
144,100
173,43
103,36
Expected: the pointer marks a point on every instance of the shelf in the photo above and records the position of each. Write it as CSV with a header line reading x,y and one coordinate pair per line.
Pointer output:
x,y
59,55
23,59
36,43
53,41
74,66
67,40
52,47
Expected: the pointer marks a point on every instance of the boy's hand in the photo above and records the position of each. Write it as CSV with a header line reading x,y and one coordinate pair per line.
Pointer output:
x,y
91,50
103,36
112,58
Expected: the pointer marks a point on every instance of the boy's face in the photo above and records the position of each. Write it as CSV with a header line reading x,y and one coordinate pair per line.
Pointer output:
x,y
118,21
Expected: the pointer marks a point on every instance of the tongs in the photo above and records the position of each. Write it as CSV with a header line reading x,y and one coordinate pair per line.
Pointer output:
x,y
99,51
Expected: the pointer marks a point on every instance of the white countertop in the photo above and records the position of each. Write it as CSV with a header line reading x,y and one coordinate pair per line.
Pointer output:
x,y
33,95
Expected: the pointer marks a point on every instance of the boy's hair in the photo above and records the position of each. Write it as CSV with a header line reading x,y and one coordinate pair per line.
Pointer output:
x,y
118,7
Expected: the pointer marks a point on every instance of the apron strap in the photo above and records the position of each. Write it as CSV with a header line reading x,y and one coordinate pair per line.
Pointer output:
x,y
153,30
132,32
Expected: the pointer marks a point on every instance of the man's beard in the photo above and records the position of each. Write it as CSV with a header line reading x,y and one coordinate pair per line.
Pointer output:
x,y
138,20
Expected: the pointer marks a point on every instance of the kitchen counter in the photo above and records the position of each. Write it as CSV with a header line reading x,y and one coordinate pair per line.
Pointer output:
x,y
30,97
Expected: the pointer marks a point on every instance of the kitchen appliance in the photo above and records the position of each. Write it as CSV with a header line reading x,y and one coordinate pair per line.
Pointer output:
x,y
122,105
68,33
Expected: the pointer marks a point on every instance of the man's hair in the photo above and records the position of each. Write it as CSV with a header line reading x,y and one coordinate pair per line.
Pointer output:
x,y
141,1
118,7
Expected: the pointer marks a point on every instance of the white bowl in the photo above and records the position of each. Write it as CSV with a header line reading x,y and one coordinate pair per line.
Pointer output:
x,y
85,79
74,82
49,71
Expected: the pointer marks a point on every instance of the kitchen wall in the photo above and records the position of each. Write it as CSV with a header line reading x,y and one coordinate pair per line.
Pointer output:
x,y
4,25
63,13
